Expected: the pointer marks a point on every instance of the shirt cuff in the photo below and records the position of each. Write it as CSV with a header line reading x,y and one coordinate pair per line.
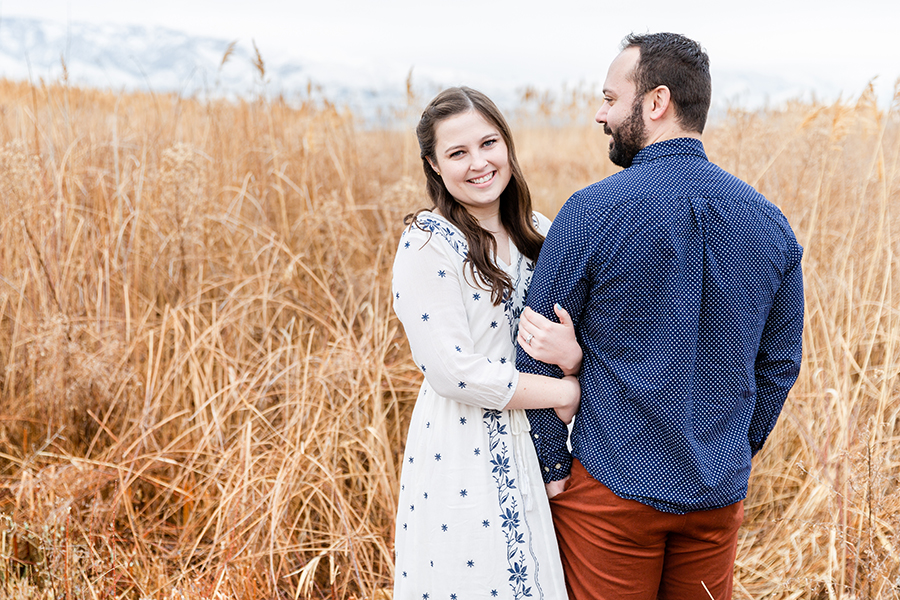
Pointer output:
x,y
556,466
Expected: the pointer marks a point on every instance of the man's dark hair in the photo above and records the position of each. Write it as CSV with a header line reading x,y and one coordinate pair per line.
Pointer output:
x,y
680,64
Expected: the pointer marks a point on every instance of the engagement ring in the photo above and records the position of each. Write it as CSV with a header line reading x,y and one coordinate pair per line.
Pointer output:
x,y
528,339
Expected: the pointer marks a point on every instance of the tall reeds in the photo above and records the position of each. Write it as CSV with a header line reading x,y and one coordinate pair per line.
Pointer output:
x,y
824,498
204,391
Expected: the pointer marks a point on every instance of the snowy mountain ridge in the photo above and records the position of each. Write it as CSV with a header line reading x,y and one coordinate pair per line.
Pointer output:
x,y
134,57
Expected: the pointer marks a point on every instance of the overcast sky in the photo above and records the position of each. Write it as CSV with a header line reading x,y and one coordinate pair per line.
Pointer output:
x,y
840,45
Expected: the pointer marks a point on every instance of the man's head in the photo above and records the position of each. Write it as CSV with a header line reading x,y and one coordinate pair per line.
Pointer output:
x,y
657,88
680,64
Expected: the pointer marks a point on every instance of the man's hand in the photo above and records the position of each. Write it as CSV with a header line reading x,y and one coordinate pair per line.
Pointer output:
x,y
555,487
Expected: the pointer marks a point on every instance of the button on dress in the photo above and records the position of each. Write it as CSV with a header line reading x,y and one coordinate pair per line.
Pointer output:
x,y
473,519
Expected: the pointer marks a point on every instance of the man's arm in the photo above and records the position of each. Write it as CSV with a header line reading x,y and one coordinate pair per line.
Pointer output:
x,y
778,360
560,276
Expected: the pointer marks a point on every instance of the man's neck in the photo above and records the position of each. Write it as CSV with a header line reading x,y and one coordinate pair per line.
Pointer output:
x,y
670,133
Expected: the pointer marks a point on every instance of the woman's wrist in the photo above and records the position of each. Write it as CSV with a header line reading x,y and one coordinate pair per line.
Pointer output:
x,y
574,367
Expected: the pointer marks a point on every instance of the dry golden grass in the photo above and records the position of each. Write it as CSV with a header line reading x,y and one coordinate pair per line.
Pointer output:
x,y
204,391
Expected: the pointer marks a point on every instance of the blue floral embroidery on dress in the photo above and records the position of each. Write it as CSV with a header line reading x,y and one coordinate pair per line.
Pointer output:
x,y
440,227
509,507
514,303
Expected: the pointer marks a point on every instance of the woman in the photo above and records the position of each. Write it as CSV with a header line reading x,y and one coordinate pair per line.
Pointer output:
x,y
473,519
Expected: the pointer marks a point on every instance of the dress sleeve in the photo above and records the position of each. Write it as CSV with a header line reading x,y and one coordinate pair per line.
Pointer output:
x,y
541,222
428,299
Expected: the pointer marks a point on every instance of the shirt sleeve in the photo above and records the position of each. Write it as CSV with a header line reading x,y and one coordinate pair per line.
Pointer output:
x,y
428,299
778,360
561,275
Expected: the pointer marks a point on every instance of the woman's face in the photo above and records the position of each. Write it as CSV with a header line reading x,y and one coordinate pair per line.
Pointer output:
x,y
473,161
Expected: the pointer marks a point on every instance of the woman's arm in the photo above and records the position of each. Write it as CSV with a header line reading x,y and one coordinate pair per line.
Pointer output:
x,y
428,299
538,391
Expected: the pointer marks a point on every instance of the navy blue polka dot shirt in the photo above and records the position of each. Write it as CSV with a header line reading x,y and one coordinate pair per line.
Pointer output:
x,y
686,291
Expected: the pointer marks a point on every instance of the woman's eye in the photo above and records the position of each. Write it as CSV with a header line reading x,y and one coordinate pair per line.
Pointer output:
x,y
456,154
490,143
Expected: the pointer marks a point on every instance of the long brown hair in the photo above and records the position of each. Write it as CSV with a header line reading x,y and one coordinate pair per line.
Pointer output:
x,y
515,200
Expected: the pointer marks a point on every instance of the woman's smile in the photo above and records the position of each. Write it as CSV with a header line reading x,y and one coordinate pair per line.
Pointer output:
x,y
484,178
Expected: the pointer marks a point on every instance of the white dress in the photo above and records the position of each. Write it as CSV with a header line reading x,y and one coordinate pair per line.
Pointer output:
x,y
473,519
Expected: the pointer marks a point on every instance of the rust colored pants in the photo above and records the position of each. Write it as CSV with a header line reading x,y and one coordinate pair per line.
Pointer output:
x,y
623,550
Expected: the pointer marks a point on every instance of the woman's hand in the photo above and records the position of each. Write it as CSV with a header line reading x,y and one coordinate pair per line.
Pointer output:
x,y
571,400
549,342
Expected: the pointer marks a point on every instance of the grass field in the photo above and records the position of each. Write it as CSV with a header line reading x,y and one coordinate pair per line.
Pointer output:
x,y
204,391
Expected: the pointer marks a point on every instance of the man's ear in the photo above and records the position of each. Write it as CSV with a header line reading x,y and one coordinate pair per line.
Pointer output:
x,y
659,100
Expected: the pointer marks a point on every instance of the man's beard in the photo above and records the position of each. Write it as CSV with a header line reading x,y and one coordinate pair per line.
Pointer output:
x,y
630,137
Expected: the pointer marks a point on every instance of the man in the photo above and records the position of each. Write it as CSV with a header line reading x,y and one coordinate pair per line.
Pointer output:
x,y
685,288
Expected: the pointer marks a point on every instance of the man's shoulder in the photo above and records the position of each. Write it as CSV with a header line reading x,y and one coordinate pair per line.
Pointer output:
x,y
747,206
730,186
612,189
599,198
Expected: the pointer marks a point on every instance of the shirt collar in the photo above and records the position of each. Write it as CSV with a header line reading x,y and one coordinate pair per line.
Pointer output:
x,y
676,147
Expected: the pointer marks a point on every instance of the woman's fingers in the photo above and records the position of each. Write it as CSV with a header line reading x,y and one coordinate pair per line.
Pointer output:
x,y
524,336
534,321
562,314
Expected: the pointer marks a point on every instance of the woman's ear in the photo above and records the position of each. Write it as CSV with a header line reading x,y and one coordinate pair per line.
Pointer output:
x,y
433,166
